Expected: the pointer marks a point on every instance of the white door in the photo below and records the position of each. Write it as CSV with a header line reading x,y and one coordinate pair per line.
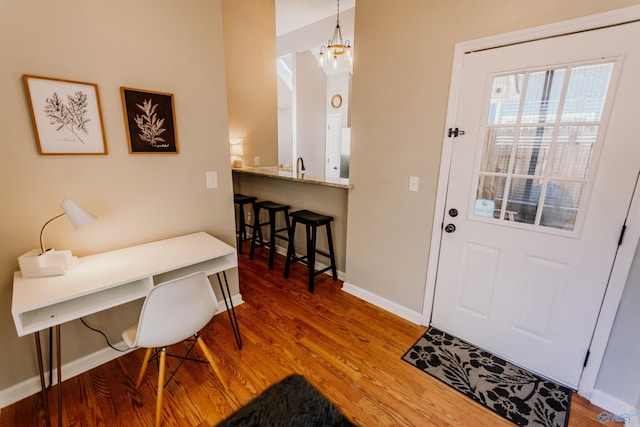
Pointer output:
x,y
539,187
332,165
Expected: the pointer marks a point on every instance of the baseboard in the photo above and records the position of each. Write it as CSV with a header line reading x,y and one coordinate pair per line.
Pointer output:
x,y
28,387
634,421
385,304
615,409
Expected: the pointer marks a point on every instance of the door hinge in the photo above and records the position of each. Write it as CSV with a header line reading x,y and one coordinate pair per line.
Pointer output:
x,y
624,228
455,132
586,359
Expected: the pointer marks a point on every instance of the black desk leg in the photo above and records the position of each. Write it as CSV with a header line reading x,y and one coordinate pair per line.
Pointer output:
x,y
42,385
58,356
232,314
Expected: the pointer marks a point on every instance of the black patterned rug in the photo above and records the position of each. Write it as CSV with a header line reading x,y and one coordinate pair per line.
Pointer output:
x,y
292,402
516,394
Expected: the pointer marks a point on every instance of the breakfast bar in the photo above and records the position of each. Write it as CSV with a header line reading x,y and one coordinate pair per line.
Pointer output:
x,y
325,195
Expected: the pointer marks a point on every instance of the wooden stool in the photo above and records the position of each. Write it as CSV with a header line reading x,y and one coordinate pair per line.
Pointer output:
x,y
241,200
257,239
312,221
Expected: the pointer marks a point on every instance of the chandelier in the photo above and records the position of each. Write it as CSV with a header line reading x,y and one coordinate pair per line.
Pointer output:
x,y
336,48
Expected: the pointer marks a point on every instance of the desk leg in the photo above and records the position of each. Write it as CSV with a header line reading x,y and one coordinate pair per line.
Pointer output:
x,y
232,314
42,384
59,362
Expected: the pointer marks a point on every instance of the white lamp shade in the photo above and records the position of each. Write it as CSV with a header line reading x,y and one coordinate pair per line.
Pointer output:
x,y
236,150
78,216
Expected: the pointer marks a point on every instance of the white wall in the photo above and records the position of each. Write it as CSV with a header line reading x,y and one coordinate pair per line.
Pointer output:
x,y
310,92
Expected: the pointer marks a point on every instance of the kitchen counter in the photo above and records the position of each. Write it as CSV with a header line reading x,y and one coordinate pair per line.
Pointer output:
x,y
274,172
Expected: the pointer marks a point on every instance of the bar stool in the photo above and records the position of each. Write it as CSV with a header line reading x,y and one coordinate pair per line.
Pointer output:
x,y
241,200
257,240
312,221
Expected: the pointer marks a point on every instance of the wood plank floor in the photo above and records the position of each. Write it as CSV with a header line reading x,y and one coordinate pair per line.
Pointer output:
x,y
350,350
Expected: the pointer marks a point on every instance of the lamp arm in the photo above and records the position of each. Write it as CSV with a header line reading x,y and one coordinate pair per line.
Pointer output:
x,y
44,226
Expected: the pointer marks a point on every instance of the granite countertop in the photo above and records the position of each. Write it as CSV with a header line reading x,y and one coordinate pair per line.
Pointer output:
x,y
275,172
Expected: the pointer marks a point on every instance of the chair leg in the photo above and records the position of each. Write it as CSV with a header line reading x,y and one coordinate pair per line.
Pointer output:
x,y
207,354
163,358
143,368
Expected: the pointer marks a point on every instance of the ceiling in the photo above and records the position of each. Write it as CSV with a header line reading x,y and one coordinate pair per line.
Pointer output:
x,y
294,14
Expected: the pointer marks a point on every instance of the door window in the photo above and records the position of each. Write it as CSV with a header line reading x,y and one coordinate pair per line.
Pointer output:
x,y
543,129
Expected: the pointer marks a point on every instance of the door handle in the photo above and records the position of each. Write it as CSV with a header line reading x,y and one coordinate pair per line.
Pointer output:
x,y
449,228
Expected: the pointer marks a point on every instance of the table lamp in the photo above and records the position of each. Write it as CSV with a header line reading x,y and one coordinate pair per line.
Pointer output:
x,y
49,262
236,152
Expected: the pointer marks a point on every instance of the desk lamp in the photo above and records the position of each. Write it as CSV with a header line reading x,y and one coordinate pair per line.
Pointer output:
x,y
49,262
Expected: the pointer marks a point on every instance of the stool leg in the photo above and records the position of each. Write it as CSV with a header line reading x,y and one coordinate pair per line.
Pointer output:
x,y
290,249
272,237
242,228
332,256
311,255
256,230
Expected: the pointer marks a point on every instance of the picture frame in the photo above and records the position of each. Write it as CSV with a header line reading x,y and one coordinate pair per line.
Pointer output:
x,y
149,117
66,116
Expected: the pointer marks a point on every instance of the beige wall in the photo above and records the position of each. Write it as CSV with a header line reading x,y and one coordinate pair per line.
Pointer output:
x,y
401,81
250,59
398,110
158,45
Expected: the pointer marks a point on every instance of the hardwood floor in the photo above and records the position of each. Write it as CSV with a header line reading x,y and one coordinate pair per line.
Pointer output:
x,y
349,349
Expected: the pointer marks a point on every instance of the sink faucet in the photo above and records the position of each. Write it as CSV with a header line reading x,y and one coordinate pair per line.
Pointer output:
x,y
299,165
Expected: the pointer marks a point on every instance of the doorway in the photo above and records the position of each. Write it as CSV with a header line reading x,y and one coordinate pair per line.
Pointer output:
x,y
524,270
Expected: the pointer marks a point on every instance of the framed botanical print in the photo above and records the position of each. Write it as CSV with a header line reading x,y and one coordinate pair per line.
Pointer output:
x,y
66,116
150,121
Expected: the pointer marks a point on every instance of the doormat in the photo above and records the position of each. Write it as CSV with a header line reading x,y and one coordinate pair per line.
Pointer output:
x,y
292,402
516,394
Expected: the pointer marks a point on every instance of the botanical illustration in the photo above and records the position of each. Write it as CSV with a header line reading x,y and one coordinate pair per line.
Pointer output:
x,y
150,120
149,124
516,394
66,116
71,115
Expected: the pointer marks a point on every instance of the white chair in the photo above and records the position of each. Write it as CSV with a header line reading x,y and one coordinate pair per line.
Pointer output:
x,y
173,312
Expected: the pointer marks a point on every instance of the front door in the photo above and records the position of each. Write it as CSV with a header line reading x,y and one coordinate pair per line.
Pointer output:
x,y
539,187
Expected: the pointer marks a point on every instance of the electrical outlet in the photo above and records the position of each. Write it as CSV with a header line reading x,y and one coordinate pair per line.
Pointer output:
x,y
256,161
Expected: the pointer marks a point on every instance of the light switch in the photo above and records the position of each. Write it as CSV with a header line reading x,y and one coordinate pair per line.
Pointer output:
x,y
212,179
413,183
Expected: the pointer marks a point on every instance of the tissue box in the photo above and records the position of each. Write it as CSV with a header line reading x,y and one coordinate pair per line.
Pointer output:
x,y
50,263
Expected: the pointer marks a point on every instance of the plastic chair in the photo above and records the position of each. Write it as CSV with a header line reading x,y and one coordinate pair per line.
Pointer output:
x,y
173,311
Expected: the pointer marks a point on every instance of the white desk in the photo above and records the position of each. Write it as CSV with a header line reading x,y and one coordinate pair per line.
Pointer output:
x,y
111,279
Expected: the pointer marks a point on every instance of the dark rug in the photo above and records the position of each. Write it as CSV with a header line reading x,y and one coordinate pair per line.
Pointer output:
x,y
518,395
290,402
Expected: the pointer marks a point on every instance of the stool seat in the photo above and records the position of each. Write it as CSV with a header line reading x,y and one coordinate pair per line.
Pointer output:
x,y
311,221
307,217
241,200
257,239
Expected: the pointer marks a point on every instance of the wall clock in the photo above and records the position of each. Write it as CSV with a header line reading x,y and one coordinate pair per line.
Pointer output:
x,y
336,101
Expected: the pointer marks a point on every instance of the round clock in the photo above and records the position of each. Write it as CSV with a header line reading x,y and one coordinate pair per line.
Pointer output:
x,y
336,101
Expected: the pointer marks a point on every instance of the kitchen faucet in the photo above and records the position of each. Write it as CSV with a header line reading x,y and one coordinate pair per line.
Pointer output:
x,y
299,165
